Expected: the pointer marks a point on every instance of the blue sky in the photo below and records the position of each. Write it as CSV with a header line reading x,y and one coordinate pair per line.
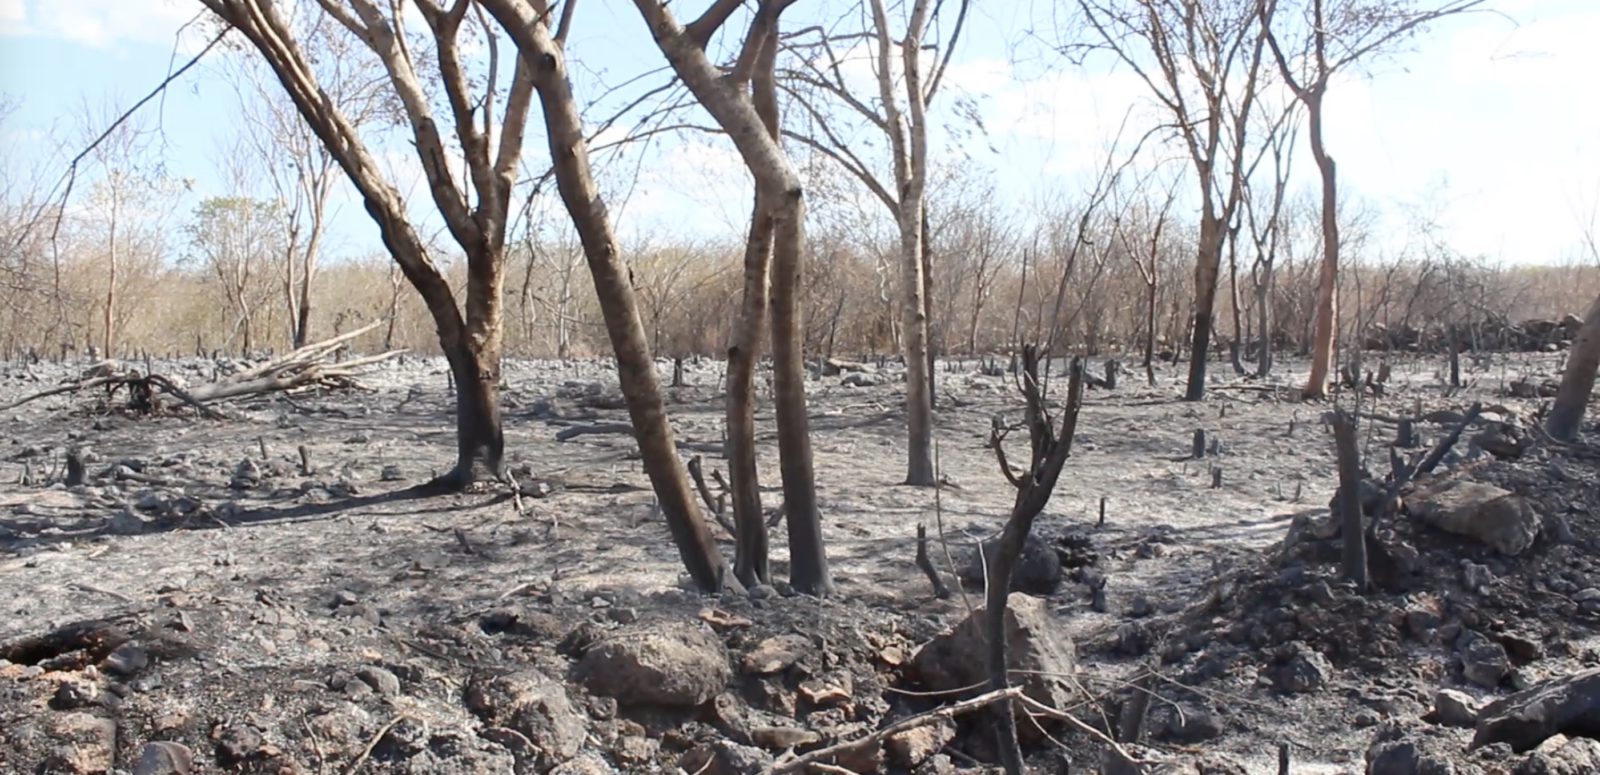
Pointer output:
x,y
1488,124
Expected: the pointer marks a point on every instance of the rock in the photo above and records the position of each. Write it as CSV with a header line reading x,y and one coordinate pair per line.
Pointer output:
x,y
385,683
1569,705
1488,514
1483,661
782,738
861,379
1454,708
828,691
391,473
587,764
127,523
1040,652
725,757
1305,670
74,693
126,660
678,664
164,758
918,744
1577,756
535,707
1218,764
774,655
1038,570
86,744
1404,757
1186,724
1502,442
237,743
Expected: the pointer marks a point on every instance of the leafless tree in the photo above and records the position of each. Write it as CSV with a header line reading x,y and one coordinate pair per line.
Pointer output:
x,y
1201,59
733,97
905,88
1313,40
1577,379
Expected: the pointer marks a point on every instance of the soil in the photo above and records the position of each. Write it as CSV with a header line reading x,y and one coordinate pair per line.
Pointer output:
x,y
255,608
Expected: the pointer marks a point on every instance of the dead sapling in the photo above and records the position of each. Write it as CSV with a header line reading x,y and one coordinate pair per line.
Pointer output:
x,y
1049,449
1349,499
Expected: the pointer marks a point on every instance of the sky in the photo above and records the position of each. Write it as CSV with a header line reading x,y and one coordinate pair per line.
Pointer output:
x,y
1485,126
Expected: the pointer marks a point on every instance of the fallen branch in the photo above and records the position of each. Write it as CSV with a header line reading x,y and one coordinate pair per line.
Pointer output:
x,y
799,763
568,434
1435,457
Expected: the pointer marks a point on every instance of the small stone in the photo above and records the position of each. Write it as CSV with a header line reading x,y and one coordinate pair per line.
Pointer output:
x,y
1454,708
126,660
236,743
762,592
1483,661
827,692
776,654
782,738
391,473
1305,671
1140,607
164,758
725,757
73,693
385,683
127,523
914,746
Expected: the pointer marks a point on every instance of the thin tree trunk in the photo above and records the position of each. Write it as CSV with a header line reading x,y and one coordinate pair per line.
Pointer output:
x,y
636,370
914,316
1322,349
1235,353
1577,380
107,337
1205,296
1264,314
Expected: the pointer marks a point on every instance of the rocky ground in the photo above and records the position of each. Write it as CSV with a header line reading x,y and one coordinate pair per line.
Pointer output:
x,y
215,599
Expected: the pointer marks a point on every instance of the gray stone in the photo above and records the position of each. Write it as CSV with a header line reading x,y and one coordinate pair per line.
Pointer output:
x,y
1488,514
127,523
1037,572
1483,661
164,758
1454,708
385,683
126,660
1561,756
1306,670
1041,653
676,664
725,757
774,655
535,707
1569,705
1405,757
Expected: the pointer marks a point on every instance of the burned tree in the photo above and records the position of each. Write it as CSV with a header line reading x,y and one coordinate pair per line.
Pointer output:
x,y
540,38
474,211
730,96
905,88
1207,65
1577,380
1334,35
1048,450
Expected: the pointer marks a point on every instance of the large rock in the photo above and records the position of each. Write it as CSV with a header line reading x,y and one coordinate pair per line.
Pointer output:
x,y
1037,572
1569,705
534,706
676,664
1560,756
1040,653
1488,514
1454,709
164,758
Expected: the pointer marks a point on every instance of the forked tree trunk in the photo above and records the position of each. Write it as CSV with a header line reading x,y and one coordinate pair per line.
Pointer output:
x,y
1577,380
636,369
725,96
750,559
1206,269
471,342
1322,344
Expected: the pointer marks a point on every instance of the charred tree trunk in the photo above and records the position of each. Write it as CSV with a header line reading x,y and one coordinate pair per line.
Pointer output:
x,y
1264,317
1322,347
1349,500
1577,380
1206,269
636,370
